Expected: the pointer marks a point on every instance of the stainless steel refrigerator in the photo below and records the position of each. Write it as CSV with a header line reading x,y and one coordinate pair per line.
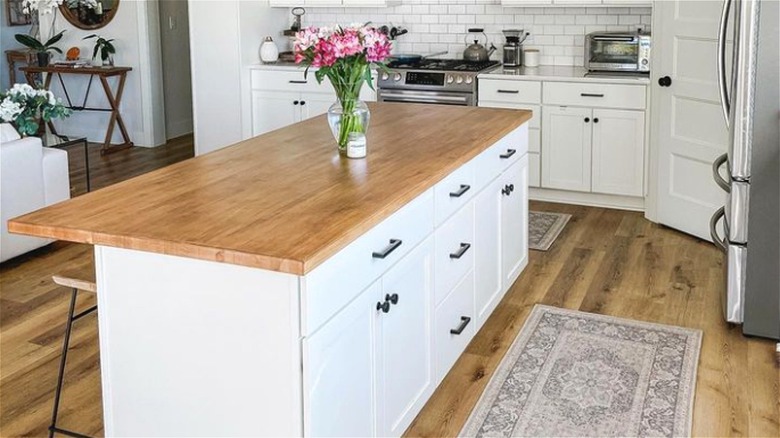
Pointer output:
x,y
750,231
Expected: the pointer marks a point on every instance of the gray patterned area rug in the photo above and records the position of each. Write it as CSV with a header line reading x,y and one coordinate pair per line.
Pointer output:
x,y
571,373
544,228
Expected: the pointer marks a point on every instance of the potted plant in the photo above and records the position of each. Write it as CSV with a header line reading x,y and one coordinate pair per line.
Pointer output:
x,y
41,49
24,107
104,47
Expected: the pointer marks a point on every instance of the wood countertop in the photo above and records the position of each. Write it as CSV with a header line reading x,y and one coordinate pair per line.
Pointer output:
x,y
285,200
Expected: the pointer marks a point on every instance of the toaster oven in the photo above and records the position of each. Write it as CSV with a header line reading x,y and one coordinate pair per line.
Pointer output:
x,y
618,52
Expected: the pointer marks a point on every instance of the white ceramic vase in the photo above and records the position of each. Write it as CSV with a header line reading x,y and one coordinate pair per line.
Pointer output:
x,y
268,51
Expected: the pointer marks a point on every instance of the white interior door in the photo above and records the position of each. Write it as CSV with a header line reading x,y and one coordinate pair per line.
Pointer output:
x,y
689,131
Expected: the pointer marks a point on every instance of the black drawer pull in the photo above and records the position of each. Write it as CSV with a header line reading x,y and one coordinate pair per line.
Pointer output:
x,y
509,153
463,248
464,321
384,307
509,91
393,299
394,244
463,189
298,82
591,95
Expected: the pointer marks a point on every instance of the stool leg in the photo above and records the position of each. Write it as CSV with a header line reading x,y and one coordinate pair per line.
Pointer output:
x,y
63,359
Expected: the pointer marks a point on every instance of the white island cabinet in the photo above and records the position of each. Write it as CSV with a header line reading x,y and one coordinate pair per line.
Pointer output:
x,y
277,289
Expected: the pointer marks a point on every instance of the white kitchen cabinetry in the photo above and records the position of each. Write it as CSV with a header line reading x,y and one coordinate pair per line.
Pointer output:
x,y
566,144
333,3
273,110
514,222
561,3
618,152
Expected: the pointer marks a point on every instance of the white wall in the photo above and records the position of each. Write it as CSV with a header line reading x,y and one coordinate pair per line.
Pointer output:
x,y
177,85
224,38
7,42
141,102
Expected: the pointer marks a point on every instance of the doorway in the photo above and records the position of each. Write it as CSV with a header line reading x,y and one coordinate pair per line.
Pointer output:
x,y
175,60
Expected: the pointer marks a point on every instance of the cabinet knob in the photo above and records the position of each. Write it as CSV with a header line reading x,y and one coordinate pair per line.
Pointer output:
x,y
665,81
303,102
506,191
587,119
511,188
595,120
384,307
393,299
295,102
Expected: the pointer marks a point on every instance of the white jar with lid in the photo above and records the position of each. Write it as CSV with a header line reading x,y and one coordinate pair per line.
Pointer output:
x,y
268,51
356,145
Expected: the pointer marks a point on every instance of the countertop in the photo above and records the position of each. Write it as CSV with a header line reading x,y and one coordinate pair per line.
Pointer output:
x,y
285,200
562,74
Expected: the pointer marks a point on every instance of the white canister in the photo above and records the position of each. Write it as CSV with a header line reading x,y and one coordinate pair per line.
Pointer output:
x,y
268,50
356,145
531,57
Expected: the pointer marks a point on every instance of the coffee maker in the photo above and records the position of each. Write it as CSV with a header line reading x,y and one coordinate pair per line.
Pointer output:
x,y
513,47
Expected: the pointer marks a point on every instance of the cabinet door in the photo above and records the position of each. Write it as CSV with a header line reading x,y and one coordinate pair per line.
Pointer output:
x,y
618,152
487,250
404,343
273,110
514,223
315,104
566,145
339,371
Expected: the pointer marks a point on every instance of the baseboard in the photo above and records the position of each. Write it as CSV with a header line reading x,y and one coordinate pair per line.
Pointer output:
x,y
589,199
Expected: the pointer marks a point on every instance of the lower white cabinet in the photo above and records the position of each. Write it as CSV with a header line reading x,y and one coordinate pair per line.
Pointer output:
x,y
276,109
514,222
566,143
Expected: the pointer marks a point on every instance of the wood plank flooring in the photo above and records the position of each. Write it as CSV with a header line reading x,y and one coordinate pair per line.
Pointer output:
x,y
605,261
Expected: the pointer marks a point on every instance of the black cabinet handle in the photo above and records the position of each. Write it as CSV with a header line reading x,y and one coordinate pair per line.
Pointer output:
x,y
393,299
595,120
509,91
303,102
587,119
394,244
295,102
464,321
463,189
665,81
506,191
511,188
462,250
297,82
591,95
384,307
509,153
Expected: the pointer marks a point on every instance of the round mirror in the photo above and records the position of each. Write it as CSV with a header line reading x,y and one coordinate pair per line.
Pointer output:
x,y
89,14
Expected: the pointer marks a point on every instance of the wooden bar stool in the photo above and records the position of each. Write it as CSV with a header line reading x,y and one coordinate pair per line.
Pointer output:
x,y
81,280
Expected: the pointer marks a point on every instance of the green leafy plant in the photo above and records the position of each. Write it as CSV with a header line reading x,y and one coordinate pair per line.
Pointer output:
x,y
103,46
25,107
37,45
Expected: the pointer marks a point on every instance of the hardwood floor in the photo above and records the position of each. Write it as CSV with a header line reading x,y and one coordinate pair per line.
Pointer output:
x,y
606,261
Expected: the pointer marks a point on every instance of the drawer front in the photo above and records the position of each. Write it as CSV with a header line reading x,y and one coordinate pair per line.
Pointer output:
x,y
454,253
534,170
510,91
595,95
333,284
454,191
500,156
288,81
454,325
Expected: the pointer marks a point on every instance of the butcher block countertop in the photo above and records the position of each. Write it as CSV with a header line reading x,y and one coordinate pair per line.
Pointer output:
x,y
283,201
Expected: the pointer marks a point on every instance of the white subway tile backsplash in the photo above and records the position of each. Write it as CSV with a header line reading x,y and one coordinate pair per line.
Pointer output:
x,y
437,25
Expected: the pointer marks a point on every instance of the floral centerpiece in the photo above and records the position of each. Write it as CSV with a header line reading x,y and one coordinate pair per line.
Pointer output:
x,y
344,55
24,107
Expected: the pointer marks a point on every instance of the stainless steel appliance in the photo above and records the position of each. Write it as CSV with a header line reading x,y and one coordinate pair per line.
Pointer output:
x,y
513,47
618,51
439,81
750,96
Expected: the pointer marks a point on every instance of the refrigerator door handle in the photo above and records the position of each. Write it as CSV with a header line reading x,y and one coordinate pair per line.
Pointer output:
x,y
721,61
716,165
717,240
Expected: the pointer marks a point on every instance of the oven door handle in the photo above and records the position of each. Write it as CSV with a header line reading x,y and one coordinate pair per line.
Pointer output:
x,y
409,97
614,38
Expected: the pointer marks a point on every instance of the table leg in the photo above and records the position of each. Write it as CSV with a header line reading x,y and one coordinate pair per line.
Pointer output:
x,y
116,117
86,162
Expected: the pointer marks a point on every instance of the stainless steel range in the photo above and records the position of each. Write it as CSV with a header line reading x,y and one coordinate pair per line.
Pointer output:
x,y
440,81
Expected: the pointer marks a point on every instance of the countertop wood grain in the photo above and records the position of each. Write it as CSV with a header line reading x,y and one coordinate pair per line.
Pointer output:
x,y
283,201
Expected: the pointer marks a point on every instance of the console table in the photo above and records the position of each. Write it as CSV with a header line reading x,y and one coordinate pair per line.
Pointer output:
x,y
114,98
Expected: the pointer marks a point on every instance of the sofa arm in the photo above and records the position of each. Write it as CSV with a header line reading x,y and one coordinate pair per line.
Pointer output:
x,y
56,178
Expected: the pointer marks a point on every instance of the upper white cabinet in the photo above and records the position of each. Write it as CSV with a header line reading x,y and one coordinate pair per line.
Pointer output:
x,y
594,3
333,3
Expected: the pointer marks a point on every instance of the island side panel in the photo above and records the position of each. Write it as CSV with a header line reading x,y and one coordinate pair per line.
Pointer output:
x,y
197,348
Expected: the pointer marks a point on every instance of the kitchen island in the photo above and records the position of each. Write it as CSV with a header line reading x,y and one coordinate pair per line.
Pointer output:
x,y
273,288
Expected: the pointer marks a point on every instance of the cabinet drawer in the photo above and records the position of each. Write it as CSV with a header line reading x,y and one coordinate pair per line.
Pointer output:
x,y
454,255
595,95
510,91
454,315
288,81
500,156
333,284
454,191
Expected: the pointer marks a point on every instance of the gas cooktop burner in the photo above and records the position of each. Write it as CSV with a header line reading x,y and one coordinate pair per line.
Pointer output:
x,y
445,65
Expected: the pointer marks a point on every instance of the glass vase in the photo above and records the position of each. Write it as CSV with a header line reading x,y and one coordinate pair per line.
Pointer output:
x,y
346,116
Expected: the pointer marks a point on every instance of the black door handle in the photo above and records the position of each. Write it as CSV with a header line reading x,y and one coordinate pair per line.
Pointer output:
x,y
394,244
462,250
463,189
384,307
509,153
665,81
464,321
393,299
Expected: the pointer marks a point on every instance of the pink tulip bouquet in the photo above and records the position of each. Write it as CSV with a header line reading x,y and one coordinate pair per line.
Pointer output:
x,y
345,55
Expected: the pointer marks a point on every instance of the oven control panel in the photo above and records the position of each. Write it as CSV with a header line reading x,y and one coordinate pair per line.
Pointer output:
x,y
425,78
428,80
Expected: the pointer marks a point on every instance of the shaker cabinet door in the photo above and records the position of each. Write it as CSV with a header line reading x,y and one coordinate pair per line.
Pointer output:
x,y
405,376
487,250
514,222
618,152
339,375
315,104
273,110
566,144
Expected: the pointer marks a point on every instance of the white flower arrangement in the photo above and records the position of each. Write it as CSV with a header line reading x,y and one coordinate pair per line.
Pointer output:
x,y
24,105
42,6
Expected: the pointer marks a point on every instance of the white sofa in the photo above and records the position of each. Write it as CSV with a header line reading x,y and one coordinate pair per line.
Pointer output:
x,y
31,177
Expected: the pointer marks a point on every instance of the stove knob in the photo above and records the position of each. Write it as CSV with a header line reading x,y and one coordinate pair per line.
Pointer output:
x,y
459,79
385,76
397,77
450,79
469,79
